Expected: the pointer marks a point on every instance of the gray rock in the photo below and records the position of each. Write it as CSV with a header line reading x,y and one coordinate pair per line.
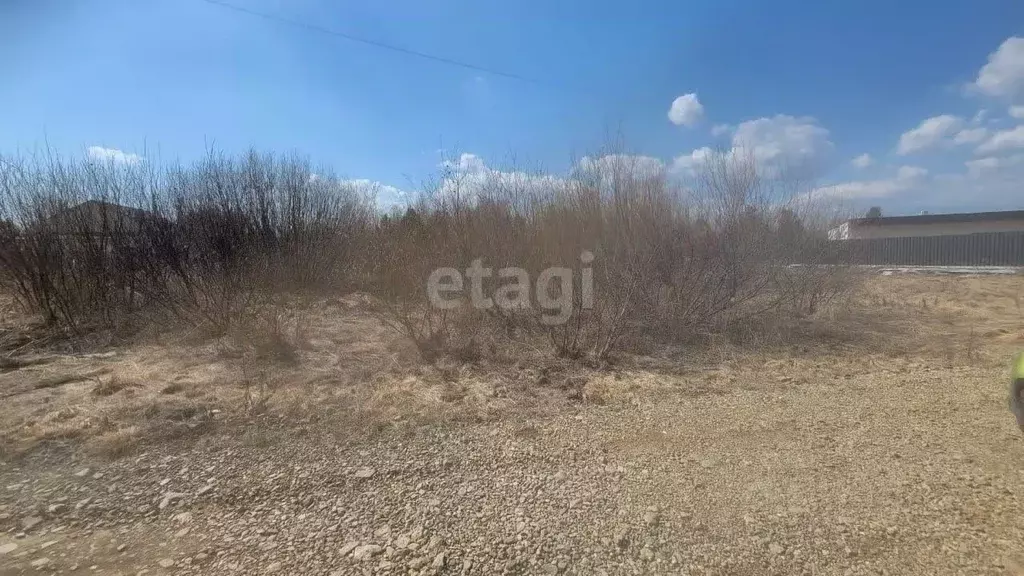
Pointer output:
x,y
364,473
170,498
30,522
39,562
6,549
438,562
165,562
347,548
366,551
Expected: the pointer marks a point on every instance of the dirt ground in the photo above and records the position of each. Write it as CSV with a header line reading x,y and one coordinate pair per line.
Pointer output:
x,y
881,443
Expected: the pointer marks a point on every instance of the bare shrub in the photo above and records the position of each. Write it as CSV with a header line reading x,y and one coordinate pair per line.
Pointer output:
x,y
93,244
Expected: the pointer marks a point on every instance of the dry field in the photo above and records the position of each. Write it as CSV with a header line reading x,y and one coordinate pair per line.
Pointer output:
x,y
881,445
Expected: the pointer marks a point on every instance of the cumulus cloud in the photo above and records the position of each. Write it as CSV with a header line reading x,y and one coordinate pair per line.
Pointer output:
x,y
686,110
779,142
928,134
783,141
970,135
1003,140
1017,112
906,178
862,161
981,166
386,197
622,165
1003,75
689,164
101,154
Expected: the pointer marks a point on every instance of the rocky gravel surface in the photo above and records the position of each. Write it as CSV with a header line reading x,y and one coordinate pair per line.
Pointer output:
x,y
898,470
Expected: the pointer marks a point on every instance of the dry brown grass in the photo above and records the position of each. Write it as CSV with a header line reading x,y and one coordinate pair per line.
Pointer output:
x,y
347,369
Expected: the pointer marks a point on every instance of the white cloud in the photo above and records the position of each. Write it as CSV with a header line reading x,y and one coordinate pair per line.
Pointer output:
x,y
1003,140
467,164
981,166
622,165
689,164
470,177
386,197
1003,75
778,143
906,173
862,161
101,154
929,133
970,135
907,177
686,110
1017,112
783,141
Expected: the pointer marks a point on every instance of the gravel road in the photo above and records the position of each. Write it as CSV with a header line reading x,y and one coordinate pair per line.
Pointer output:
x,y
897,468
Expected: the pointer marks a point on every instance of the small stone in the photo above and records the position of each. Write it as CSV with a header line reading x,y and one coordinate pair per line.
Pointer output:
x,y
273,567
122,547
364,473
438,562
402,542
776,549
56,508
165,562
181,533
560,476
417,563
39,562
550,569
345,549
182,517
622,539
46,545
6,549
650,518
646,554
202,556
170,498
30,522
204,489
366,551
83,472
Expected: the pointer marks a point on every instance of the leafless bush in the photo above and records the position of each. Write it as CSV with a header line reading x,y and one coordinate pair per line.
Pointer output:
x,y
672,263
216,242
90,243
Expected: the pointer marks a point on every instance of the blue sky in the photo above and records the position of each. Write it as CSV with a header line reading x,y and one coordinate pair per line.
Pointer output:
x,y
926,90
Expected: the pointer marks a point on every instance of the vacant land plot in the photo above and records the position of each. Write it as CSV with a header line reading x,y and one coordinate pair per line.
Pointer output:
x,y
875,447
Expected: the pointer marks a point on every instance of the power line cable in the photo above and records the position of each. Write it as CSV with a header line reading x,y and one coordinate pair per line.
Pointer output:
x,y
369,42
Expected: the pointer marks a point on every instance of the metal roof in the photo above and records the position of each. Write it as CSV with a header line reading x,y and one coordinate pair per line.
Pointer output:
x,y
941,218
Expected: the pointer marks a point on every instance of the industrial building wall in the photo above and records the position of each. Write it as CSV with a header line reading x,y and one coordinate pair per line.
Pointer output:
x,y
864,231
982,249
